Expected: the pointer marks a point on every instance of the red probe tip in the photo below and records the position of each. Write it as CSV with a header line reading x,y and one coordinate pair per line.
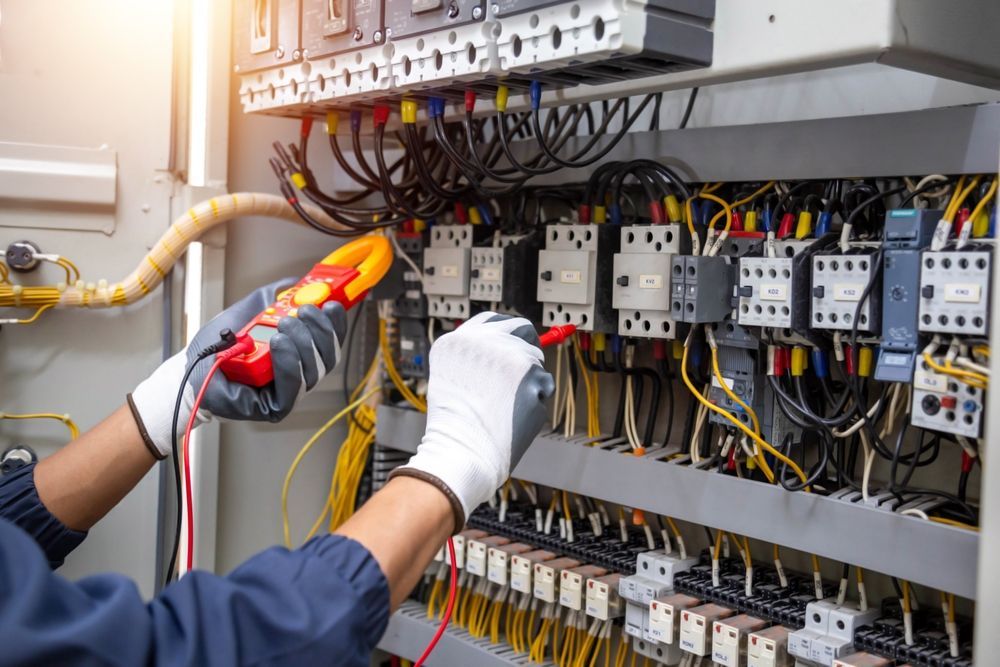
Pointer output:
x,y
556,335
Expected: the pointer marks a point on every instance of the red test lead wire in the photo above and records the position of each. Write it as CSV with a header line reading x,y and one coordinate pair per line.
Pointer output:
x,y
244,345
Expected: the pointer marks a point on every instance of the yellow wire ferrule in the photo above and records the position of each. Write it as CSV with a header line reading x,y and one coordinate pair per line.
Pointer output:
x,y
332,120
299,180
803,229
750,221
474,216
865,358
677,349
408,111
600,215
674,213
501,98
798,361
419,225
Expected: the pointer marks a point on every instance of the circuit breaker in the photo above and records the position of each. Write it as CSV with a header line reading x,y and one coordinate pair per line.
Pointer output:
x,y
331,27
907,231
829,631
702,288
943,404
955,291
838,284
641,291
574,276
446,271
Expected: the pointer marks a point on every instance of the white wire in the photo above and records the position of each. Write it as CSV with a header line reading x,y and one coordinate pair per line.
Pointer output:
x,y
407,259
430,330
913,511
869,460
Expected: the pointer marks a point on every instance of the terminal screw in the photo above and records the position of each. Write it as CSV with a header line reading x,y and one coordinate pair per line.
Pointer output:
x,y
477,13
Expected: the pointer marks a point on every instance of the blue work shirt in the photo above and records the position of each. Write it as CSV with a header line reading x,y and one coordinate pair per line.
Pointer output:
x,y
326,603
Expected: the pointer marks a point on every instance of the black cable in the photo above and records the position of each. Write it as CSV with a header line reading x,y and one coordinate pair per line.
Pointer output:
x,y
227,340
689,109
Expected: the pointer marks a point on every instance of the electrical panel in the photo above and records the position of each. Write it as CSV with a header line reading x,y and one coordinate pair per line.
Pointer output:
x,y
838,284
642,271
574,272
955,291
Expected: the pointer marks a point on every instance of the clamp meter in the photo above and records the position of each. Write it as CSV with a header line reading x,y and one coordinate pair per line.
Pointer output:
x,y
345,276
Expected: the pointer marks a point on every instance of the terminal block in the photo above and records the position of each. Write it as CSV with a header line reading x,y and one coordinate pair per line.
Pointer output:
x,y
702,288
907,231
641,291
446,271
943,404
654,579
574,276
769,648
476,550
829,632
955,291
665,617
838,283
571,583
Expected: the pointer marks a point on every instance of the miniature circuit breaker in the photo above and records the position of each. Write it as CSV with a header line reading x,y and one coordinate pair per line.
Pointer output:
x,y
955,291
702,288
838,283
907,232
829,631
574,276
943,404
729,639
446,271
696,627
548,575
641,291
769,648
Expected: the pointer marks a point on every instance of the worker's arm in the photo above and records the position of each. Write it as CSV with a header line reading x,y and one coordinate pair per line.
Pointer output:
x,y
58,500
485,404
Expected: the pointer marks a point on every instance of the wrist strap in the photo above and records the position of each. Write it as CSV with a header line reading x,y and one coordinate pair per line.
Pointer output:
x,y
146,440
456,505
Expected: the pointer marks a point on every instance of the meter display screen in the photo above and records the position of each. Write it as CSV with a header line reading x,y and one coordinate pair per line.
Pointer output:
x,y
262,333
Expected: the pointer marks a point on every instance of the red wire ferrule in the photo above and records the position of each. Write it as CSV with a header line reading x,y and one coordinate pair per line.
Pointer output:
x,y
307,126
470,100
380,115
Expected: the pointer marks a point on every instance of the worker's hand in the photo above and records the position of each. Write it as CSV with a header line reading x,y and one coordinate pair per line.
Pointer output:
x,y
303,351
485,404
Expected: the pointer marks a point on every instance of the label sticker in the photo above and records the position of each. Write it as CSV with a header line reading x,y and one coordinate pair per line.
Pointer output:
x,y
493,275
773,293
449,271
407,345
570,277
730,382
962,293
651,281
929,381
847,291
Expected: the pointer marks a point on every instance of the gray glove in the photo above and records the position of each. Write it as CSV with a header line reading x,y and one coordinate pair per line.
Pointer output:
x,y
303,351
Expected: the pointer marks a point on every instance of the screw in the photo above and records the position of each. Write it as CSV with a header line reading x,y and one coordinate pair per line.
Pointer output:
x,y
279,53
452,10
377,36
495,8
477,13
358,35
296,55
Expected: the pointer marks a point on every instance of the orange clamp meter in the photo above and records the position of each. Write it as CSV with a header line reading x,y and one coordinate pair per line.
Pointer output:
x,y
345,276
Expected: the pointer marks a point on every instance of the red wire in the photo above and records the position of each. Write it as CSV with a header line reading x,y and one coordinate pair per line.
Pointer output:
x,y
189,510
452,590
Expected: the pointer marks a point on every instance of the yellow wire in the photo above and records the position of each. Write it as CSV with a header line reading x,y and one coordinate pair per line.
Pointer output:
x,y
74,431
4,273
761,461
953,523
984,202
968,377
390,369
741,202
958,199
756,438
710,188
951,607
952,207
906,597
305,450
34,317
717,551
727,210
983,350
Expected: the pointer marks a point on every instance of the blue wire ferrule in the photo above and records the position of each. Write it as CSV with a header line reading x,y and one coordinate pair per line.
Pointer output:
x,y
535,92
820,363
616,343
695,353
823,223
765,219
355,121
615,214
485,214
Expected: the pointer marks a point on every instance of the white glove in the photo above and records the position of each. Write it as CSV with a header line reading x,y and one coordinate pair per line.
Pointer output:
x,y
485,404
303,351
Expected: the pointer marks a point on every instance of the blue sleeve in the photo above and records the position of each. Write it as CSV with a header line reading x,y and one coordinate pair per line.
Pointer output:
x,y
326,603
19,504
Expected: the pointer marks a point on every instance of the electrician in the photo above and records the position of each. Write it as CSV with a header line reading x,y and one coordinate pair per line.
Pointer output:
x,y
326,603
